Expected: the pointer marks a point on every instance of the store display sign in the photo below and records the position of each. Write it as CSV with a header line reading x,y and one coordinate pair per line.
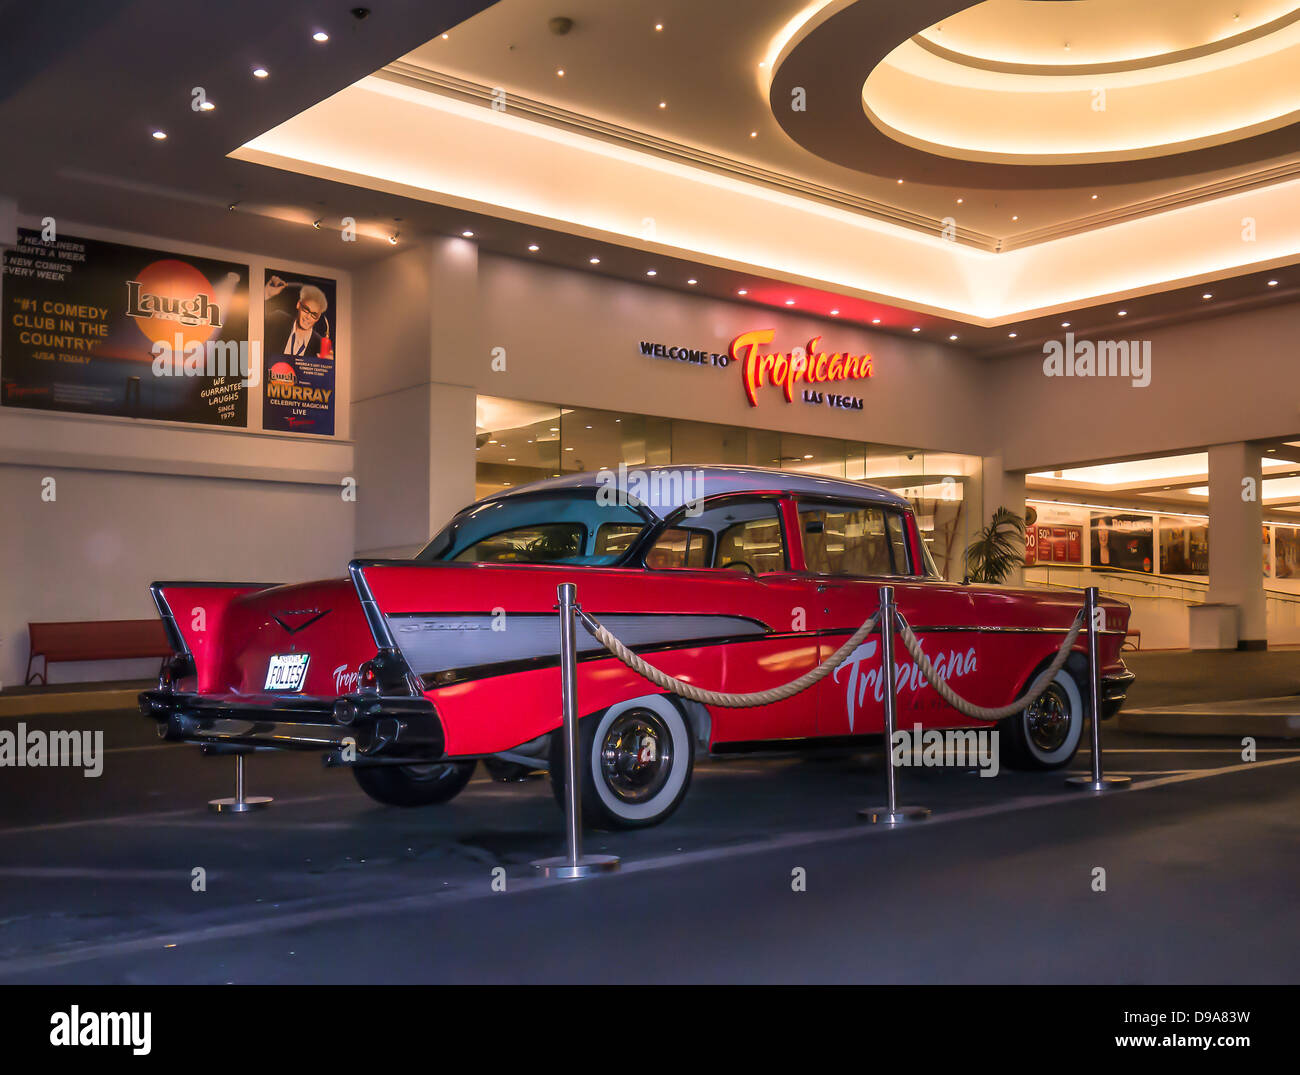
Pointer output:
x,y
102,328
1122,541
299,329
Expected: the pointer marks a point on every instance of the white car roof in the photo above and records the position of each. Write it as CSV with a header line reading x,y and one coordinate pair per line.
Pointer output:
x,y
664,489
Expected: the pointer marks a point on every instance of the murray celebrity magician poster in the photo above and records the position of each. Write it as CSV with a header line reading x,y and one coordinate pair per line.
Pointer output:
x,y
103,328
298,351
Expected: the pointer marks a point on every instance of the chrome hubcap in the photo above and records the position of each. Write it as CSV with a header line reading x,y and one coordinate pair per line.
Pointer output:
x,y
636,755
1047,721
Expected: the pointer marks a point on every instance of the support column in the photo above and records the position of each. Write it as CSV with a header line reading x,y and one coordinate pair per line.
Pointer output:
x,y
1001,489
1236,522
413,412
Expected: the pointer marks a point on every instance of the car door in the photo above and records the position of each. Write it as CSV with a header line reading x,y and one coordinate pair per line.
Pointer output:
x,y
736,552
851,550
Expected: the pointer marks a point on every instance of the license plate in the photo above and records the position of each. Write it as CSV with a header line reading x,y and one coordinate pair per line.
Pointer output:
x,y
286,671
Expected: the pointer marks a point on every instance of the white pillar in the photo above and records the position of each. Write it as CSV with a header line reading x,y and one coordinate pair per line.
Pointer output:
x,y
413,417
1001,489
1236,553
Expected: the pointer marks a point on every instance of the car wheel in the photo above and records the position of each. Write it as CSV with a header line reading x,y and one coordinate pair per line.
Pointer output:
x,y
638,757
1046,734
414,785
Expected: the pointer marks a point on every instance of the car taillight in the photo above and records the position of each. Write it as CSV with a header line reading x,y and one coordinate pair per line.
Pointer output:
x,y
369,678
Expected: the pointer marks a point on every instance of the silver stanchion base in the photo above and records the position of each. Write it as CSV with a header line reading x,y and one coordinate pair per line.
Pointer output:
x,y
587,865
881,815
239,806
1106,783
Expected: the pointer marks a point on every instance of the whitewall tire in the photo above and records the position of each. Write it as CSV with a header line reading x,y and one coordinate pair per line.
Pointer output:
x,y
1046,735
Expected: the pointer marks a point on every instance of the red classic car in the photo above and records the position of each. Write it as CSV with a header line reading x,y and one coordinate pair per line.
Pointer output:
x,y
734,579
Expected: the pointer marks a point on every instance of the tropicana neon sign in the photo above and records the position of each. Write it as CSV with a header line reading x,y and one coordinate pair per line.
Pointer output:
x,y
784,370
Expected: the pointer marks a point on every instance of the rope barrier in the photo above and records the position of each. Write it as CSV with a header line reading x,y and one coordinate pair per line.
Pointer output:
x,y
1036,689
718,698
808,679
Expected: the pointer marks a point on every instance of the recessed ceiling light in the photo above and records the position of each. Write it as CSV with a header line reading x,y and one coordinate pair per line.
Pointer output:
x,y
506,484
160,135
808,455
444,37
510,459
692,281
789,302
321,36
589,427
1094,197
1012,335
663,104
491,442
952,337
960,201
1015,218
555,429
651,272
753,134
1065,324
900,180
1272,283
1207,295
916,328
835,313
568,449
1123,313
260,72
875,320
467,234
533,247
560,71
594,261
659,26
742,291
1272,449
207,106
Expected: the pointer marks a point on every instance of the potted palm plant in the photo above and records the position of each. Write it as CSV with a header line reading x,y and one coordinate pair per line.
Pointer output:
x,y
997,549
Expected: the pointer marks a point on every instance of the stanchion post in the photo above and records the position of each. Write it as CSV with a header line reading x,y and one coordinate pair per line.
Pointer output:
x,y
239,804
574,863
1095,782
891,813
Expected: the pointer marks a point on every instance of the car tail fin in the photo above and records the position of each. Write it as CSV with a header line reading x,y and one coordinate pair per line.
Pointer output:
x,y
191,613
389,667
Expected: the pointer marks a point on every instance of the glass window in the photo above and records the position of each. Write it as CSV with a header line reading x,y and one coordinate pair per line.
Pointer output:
x,y
752,544
679,547
570,526
858,540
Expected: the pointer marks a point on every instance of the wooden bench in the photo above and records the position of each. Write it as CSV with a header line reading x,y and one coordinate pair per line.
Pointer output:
x,y
99,640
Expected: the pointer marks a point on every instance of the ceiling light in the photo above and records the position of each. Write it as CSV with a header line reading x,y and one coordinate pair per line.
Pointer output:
x,y
568,449
659,26
206,106
900,180
1123,313
753,134
467,234
1012,335
1015,218
616,420
594,261
510,459
1272,283
789,302
491,442
960,200
742,291
651,272
589,427
808,455
555,429
321,36
663,104
1094,197
835,313
444,37
692,281
533,247
506,484
316,224
260,72
952,337
916,328
1207,295
875,320
1065,324
160,135
560,72
393,238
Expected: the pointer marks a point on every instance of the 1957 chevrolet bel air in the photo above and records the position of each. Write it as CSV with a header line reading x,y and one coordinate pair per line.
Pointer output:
x,y
734,579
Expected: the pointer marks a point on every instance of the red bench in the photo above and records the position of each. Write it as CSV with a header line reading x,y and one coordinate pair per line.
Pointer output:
x,y
101,640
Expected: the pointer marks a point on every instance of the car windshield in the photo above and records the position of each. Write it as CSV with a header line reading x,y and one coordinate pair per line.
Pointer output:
x,y
572,526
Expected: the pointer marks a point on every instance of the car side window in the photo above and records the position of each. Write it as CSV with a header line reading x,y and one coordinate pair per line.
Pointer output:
x,y
861,540
680,547
737,533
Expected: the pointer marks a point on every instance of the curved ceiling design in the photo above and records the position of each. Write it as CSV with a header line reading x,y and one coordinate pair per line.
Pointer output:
x,y
1015,93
